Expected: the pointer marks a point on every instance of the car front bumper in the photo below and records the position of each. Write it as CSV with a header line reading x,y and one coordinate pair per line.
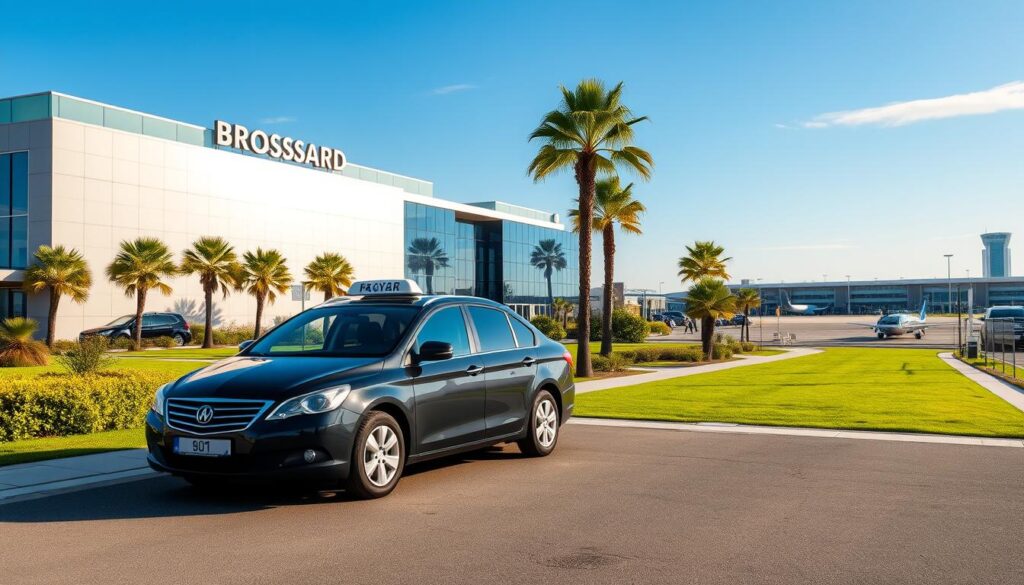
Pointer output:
x,y
266,451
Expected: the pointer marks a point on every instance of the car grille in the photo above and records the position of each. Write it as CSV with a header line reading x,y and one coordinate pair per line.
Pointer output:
x,y
228,415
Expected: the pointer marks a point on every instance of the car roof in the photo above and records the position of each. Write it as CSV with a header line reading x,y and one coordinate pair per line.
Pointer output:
x,y
412,300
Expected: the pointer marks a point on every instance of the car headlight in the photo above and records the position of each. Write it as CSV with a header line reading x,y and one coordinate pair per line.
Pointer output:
x,y
312,403
158,400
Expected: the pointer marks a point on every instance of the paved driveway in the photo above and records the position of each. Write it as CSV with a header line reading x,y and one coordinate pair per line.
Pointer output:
x,y
612,505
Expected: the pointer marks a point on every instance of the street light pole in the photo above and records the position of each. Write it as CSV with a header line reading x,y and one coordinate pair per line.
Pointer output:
x,y
949,284
849,302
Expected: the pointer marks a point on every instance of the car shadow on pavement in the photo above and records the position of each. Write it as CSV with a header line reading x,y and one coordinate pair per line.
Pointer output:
x,y
166,496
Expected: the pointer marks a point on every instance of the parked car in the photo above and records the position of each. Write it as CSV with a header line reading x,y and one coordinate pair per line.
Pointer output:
x,y
1004,328
170,325
676,316
393,377
739,319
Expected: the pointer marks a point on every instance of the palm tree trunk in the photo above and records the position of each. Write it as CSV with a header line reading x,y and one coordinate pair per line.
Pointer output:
x,y
51,323
140,308
328,295
585,180
259,315
428,274
551,294
208,334
608,237
707,335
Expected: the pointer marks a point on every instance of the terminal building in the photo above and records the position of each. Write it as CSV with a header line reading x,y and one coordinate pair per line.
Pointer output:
x,y
88,175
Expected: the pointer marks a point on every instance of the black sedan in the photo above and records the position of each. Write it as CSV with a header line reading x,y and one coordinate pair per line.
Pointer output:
x,y
352,390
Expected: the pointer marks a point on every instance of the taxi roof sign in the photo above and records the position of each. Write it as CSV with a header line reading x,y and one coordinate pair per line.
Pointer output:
x,y
392,287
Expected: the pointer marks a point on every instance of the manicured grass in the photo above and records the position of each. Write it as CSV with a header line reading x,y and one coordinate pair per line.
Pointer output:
x,y
595,346
215,353
848,388
56,447
172,368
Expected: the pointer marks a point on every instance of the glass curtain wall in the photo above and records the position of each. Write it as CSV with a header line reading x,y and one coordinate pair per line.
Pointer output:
x,y
14,210
539,265
431,248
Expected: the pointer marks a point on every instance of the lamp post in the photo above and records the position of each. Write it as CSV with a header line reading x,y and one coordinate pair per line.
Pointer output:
x,y
849,301
949,284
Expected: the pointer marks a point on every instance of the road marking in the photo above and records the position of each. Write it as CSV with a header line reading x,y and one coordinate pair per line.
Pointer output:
x,y
712,427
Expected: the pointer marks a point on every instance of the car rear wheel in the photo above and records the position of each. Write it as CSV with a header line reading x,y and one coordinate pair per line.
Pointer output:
x,y
179,339
542,433
378,457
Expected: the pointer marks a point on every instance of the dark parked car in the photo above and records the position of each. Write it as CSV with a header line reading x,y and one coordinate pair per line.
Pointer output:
x,y
676,316
739,319
349,392
170,325
1004,328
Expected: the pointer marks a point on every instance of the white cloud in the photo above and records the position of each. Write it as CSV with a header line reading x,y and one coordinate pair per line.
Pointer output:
x,y
1004,97
447,89
277,120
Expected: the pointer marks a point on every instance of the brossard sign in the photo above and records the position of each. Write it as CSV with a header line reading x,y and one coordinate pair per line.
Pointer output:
x,y
277,146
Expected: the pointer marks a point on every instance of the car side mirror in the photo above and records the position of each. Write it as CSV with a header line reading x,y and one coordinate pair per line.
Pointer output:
x,y
432,351
245,344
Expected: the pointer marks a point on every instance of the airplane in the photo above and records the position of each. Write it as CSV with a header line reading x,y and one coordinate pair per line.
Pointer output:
x,y
897,324
800,309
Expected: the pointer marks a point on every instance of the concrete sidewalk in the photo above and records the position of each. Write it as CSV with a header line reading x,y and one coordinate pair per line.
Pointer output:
x,y
654,375
43,478
1004,390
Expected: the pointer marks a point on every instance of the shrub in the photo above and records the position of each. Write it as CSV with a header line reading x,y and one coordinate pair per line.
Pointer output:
x,y
658,328
643,354
198,330
595,328
549,327
61,346
225,334
87,357
164,341
627,327
17,346
61,404
122,343
747,346
616,362
682,354
721,351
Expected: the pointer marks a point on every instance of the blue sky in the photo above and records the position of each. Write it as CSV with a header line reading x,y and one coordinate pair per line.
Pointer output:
x,y
737,93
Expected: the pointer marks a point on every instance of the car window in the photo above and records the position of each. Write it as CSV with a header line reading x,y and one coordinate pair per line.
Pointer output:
x,y
351,330
524,335
1009,312
150,320
492,329
446,325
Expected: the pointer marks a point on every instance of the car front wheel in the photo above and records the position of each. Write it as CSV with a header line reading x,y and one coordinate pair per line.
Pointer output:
x,y
378,457
542,434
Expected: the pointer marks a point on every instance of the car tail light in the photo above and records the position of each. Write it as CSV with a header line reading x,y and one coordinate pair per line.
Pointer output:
x,y
567,357
187,328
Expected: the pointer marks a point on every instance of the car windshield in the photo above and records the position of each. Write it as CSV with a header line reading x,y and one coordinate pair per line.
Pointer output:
x,y
889,320
1017,312
348,330
120,320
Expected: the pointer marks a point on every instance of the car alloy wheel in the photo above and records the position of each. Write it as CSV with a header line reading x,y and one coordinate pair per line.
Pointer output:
x,y
545,423
381,456
178,339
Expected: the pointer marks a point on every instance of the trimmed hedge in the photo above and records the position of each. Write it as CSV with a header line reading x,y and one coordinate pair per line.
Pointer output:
x,y
664,354
549,327
613,363
222,335
658,328
628,327
59,404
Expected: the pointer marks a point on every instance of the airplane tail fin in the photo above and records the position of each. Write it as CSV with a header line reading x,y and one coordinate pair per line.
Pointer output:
x,y
924,305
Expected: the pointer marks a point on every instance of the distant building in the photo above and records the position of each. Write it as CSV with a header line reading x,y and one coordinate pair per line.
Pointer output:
x,y
995,258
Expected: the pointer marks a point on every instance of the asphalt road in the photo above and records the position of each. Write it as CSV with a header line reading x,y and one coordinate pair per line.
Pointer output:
x,y
835,330
610,506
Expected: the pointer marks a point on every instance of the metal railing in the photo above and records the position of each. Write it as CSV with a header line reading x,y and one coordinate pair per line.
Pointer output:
x,y
999,340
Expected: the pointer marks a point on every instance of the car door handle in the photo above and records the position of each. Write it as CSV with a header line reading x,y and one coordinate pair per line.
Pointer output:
x,y
474,370
529,361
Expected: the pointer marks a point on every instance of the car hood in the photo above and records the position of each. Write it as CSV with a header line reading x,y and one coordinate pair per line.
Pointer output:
x,y
270,378
95,330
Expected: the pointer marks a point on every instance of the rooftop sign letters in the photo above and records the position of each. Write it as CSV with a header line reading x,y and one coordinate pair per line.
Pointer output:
x,y
276,146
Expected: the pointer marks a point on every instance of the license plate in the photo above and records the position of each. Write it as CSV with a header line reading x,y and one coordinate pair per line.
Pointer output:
x,y
202,447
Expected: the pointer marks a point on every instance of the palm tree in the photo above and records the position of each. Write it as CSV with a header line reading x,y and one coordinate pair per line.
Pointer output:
x,y
709,299
427,255
62,272
561,308
17,346
215,261
548,256
330,273
140,266
703,259
747,299
264,275
612,205
590,132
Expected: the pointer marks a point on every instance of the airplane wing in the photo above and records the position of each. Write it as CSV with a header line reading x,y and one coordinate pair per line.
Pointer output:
x,y
868,325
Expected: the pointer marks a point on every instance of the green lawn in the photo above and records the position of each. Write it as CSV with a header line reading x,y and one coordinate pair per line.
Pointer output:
x,y
848,388
183,353
53,448
172,368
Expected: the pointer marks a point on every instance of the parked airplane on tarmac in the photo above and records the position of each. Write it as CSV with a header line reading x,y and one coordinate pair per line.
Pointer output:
x,y
800,309
897,324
